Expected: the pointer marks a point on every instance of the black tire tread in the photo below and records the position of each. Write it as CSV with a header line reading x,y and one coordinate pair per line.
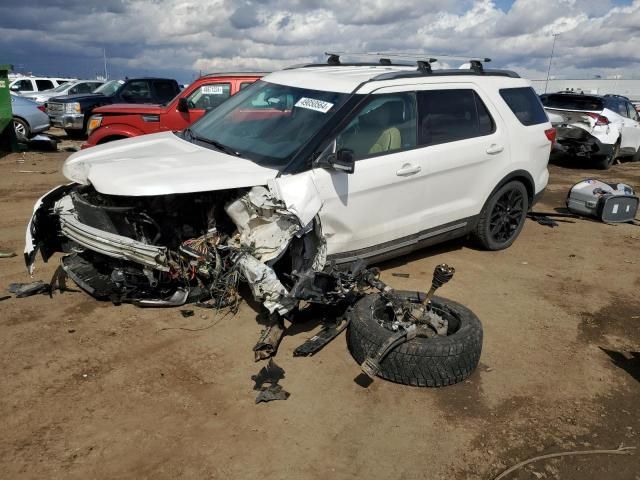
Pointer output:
x,y
434,362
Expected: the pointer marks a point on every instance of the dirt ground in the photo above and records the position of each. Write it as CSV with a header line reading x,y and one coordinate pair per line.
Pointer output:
x,y
92,390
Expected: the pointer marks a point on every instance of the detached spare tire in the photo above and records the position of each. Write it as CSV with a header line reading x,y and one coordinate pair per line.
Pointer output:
x,y
424,362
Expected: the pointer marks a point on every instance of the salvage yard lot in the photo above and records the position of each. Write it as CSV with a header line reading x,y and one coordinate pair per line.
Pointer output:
x,y
92,390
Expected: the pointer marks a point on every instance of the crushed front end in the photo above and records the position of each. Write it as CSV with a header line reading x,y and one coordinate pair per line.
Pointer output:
x,y
168,250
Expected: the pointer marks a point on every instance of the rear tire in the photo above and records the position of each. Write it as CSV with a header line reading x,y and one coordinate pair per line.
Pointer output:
x,y
22,129
503,217
604,162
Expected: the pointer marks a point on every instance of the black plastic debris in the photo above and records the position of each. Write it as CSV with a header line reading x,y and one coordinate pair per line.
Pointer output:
x,y
5,297
401,275
319,341
266,382
21,290
187,313
274,392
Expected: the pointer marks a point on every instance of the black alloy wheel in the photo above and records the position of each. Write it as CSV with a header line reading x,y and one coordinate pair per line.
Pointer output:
x,y
503,216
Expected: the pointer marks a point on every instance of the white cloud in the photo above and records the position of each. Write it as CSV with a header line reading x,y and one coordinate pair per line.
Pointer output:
x,y
192,35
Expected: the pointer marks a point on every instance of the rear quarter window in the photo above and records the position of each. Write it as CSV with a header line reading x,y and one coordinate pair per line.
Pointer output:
x,y
525,105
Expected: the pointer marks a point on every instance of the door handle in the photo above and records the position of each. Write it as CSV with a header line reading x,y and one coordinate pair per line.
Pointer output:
x,y
494,148
408,169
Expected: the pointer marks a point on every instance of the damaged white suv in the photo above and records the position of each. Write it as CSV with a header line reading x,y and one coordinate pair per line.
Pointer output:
x,y
309,165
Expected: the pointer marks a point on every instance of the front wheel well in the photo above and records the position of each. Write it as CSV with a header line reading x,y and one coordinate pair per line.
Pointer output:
x,y
111,138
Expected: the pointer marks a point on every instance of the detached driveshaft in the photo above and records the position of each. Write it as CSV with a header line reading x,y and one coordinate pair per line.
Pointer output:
x,y
410,338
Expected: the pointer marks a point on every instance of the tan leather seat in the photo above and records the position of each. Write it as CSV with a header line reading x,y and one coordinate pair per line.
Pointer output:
x,y
377,131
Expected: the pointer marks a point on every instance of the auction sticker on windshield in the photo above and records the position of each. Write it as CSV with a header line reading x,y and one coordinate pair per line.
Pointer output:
x,y
313,104
213,89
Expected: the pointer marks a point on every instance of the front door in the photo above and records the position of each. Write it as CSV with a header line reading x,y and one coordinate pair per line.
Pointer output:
x,y
382,201
204,98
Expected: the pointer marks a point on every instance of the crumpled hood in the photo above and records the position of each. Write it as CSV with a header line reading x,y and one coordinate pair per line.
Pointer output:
x,y
161,164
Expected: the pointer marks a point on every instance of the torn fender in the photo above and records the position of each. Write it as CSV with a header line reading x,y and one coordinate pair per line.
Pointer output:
x,y
42,229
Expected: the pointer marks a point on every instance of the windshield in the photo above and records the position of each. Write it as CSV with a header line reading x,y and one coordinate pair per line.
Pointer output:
x,y
266,122
109,88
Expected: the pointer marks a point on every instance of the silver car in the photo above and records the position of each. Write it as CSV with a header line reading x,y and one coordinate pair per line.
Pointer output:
x,y
28,119
70,88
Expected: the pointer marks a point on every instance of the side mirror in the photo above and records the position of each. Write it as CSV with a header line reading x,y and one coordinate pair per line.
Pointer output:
x,y
14,88
343,160
183,106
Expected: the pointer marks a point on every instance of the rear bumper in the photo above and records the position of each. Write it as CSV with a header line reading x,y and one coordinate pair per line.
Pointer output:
x,y
578,142
68,121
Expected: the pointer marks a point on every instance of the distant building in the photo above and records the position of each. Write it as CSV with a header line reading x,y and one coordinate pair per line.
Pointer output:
x,y
600,86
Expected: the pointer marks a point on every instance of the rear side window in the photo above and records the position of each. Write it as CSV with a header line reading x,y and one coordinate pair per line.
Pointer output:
x,y
525,105
451,115
137,91
44,84
165,90
244,85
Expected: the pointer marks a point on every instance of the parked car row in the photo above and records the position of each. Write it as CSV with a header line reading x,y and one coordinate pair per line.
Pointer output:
x,y
114,122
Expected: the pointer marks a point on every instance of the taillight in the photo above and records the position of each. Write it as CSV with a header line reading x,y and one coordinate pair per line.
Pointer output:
x,y
42,108
600,119
551,134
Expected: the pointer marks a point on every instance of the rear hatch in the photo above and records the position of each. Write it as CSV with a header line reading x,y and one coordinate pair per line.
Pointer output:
x,y
567,112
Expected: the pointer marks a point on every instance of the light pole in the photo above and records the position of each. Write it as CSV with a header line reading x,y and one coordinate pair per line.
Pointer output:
x,y
553,47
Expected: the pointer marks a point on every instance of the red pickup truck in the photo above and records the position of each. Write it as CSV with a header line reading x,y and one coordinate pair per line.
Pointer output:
x,y
114,122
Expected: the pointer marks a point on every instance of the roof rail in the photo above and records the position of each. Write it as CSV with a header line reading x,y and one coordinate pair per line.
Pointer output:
x,y
422,60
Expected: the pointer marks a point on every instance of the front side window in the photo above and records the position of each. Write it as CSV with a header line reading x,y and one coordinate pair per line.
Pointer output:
x,y
525,105
452,115
267,123
208,97
83,88
385,124
24,85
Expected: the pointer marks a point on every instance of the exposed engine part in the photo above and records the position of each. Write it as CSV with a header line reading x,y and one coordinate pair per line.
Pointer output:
x,y
270,338
321,339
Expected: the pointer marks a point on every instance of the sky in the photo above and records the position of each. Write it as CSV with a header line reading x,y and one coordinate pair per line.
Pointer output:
x,y
181,38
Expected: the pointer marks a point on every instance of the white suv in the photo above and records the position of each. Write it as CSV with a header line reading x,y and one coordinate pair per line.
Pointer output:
x,y
310,164
598,128
22,85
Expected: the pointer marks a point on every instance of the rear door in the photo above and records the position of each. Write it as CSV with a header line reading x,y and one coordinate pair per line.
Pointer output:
x,y
464,144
